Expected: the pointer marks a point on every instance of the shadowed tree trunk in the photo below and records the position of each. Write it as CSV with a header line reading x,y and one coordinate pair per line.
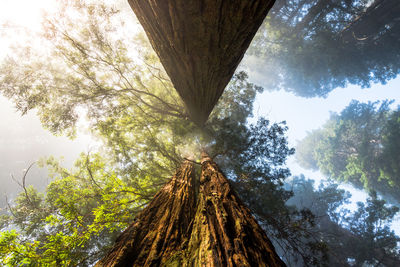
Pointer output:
x,y
200,43
179,229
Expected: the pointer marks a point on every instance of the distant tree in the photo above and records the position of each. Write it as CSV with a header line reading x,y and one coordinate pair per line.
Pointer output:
x,y
377,243
358,146
353,238
311,47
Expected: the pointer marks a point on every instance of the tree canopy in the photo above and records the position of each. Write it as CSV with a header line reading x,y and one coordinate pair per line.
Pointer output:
x,y
358,146
131,106
312,47
353,238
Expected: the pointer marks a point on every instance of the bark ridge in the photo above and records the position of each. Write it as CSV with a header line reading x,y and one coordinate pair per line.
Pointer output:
x,y
200,43
183,228
161,228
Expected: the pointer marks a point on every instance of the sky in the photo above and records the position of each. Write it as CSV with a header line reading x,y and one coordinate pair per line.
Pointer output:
x,y
303,115
23,140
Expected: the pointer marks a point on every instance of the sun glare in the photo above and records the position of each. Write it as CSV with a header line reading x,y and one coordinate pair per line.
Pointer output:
x,y
25,13
20,16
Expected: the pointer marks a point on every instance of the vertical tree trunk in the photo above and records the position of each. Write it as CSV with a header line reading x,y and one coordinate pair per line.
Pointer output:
x,y
224,231
161,229
200,43
179,229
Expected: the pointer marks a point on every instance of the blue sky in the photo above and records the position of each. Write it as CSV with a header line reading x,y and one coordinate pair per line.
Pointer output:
x,y
303,115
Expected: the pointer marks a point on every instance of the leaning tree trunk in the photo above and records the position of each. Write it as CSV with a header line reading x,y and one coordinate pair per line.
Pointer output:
x,y
182,228
162,228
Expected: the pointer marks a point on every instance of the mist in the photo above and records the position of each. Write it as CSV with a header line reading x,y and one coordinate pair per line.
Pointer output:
x,y
23,141
307,131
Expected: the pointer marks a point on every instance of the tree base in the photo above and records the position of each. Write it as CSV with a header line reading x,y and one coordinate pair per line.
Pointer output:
x,y
181,227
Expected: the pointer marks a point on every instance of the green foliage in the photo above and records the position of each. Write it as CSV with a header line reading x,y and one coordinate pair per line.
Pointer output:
x,y
77,218
312,47
376,242
358,146
106,72
353,238
133,109
325,200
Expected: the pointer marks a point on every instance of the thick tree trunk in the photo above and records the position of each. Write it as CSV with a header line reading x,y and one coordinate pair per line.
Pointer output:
x,y
224,231
162,228
179,228
200,43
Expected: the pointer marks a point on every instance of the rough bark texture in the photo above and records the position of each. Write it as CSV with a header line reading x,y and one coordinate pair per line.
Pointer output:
x,y
160,230
200,43
179,229
224,231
